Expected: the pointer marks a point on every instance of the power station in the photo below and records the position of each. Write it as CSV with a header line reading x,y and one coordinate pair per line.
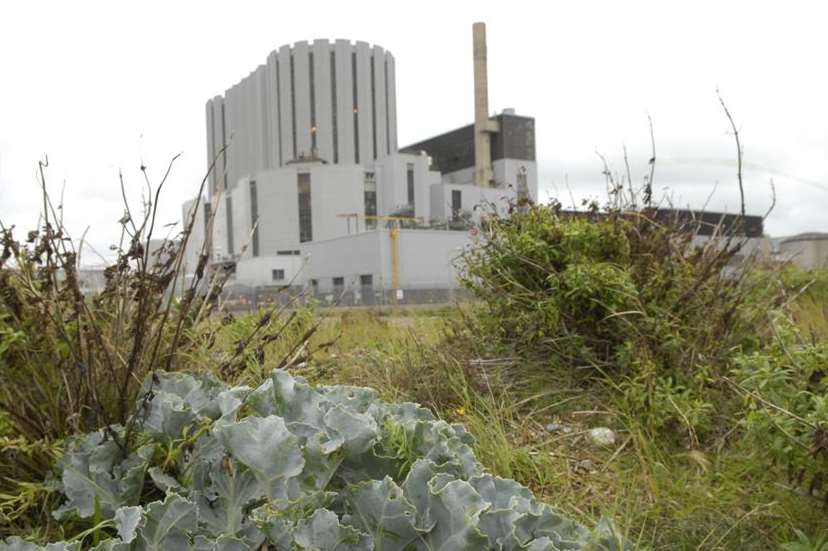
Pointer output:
x,y
310,189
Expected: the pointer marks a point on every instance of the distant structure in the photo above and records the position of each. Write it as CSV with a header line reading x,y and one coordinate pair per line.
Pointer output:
x,y
310,189
805,250
331,102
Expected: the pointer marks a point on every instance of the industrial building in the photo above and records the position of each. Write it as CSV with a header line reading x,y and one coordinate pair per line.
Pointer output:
x,y
807,251
310,189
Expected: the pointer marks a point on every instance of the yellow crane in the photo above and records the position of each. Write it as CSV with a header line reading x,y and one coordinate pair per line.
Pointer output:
x,y
393,236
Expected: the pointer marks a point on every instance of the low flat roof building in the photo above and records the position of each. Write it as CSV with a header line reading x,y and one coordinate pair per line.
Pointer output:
x,y
806,250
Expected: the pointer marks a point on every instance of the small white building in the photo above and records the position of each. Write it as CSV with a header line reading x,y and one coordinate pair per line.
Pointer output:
x,y
805,250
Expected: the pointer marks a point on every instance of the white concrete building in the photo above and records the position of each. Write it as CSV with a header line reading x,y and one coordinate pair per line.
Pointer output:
x,y
329,100
308,173
806,250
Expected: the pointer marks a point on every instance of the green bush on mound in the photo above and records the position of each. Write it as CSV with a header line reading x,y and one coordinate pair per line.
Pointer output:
x,y
288,466
633,298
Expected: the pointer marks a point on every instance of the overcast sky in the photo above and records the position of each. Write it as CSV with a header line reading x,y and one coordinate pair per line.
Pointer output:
x,y
103,86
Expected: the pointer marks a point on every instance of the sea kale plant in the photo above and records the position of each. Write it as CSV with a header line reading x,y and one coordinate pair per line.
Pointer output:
x,y
73,360
286,466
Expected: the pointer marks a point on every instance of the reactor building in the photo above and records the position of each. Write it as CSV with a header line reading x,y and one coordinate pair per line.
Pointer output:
x,y
309,189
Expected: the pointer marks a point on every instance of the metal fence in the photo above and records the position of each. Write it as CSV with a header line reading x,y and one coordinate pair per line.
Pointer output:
x,y
241,298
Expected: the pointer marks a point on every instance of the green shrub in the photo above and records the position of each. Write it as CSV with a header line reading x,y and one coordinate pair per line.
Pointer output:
x,y
620,292
72,363
785,389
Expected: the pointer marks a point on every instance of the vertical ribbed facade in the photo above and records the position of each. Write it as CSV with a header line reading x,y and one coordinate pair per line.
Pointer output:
x,y
335,101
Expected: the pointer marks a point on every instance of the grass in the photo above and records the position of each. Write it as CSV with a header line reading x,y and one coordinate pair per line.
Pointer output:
x,y
811,315
661,493
809,309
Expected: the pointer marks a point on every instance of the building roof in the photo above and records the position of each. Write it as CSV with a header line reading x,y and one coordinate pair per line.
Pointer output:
x,y
708,222
704,223
454,150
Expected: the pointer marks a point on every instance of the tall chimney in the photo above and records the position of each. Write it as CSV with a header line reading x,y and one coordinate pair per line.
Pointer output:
x,y
482,138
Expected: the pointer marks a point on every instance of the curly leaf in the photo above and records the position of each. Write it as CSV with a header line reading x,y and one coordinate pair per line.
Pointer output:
x,y
167,525
265,446
90,471
288,397
380,509
17,544
323,532
455,508
233,490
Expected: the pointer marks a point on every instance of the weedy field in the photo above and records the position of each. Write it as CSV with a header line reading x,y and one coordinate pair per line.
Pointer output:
x,y
641,392
662,493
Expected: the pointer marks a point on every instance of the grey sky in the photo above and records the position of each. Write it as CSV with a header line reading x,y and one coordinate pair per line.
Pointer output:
x,y
100,86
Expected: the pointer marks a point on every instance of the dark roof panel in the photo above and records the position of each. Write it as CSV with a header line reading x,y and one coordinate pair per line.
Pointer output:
x,y
454,150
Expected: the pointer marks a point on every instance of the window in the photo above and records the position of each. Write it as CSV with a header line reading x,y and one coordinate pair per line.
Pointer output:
x,y
305,223
366,280
278,275
314,284
229,205
456,203
410,183
370,187
254,217
289,253
338,284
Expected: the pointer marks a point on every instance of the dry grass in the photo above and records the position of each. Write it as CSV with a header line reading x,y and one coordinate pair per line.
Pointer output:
x,y
663,495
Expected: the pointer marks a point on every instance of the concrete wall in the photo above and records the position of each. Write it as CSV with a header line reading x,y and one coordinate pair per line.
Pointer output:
x,y
806,253
506,173
392,184
426,259
216,141
192,251
277,112
335,190
475,200
258,272
219,248
760,247
347,257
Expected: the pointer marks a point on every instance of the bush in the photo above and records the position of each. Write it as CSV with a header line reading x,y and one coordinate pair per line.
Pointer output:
x,y
73,363
624,293
297,468
785,388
